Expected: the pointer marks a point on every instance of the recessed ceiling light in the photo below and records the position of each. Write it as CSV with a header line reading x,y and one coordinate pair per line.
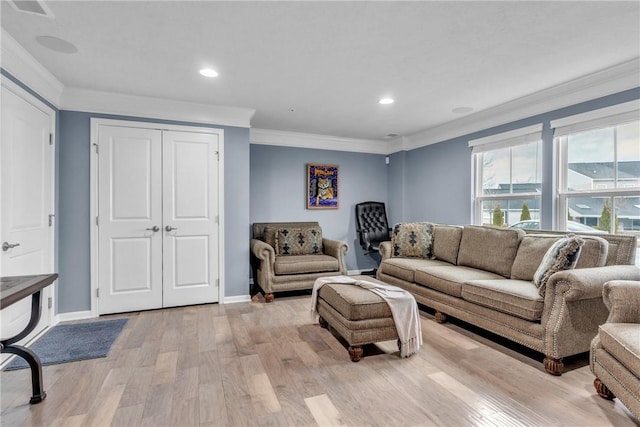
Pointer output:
x,y
209,72
385,101
57,44
462,110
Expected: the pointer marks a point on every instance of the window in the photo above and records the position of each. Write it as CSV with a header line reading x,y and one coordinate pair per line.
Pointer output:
x,y
508,178
599,170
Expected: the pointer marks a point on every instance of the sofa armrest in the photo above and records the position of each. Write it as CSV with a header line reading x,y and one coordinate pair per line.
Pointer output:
x,y
587,283
622,298
574,307
263,251
385,250
336,249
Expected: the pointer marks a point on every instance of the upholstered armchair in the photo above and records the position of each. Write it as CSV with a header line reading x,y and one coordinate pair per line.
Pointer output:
x,y
289,256
615,351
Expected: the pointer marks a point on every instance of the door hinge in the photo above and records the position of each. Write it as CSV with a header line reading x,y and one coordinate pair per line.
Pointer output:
x,y
51,216
97,292
50,139
97,221
218,155
96,145
217,283
50,303
217,219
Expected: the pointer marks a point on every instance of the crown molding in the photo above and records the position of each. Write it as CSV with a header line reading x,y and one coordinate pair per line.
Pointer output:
x,y
596,85
321,142
18,62
94,101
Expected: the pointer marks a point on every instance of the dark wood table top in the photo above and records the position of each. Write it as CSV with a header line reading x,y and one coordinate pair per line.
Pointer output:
x,y
15,288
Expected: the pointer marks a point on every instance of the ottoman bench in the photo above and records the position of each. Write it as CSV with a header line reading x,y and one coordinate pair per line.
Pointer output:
x,y
357,314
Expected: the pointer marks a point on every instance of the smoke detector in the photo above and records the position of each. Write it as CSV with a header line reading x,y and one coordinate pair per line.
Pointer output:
x,y
32,7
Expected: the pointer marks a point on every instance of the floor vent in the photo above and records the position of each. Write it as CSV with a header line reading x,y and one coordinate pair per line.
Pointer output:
x,y
33,7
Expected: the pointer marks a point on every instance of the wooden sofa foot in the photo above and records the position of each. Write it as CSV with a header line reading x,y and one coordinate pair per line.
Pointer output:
x,y
440,317
323,323
355,352
268,297
553,366
602,389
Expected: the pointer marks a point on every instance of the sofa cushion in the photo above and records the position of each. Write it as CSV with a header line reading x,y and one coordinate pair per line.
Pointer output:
x,y
298,241
594,252
354,302
412,240
515,297
446,242
622,341
489,248
562,255
404,268
269,236
530,253
449,279
300,264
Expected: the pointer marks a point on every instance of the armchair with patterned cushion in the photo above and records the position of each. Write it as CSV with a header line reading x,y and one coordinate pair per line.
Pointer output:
x,y
288,256
615,351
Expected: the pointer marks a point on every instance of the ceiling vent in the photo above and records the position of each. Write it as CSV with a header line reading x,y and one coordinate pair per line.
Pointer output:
x,y
33,7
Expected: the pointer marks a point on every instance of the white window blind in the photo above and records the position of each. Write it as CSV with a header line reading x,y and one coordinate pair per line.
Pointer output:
x,y
507,139
597,119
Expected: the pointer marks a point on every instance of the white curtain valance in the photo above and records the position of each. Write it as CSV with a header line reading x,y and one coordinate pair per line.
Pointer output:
x,y
507,139
596,119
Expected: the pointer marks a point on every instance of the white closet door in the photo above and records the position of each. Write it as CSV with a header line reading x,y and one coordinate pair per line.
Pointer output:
x,y
190,218
129,210
26,177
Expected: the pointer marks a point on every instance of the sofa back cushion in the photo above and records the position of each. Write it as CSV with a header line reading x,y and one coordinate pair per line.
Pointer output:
x,y
412,240
594,252
530,253
298,241
489,248
446,242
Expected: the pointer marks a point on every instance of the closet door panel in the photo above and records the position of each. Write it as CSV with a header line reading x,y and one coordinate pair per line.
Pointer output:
x,y
190,218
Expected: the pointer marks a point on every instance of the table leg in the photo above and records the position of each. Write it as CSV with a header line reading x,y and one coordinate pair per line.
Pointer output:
x,y
29,356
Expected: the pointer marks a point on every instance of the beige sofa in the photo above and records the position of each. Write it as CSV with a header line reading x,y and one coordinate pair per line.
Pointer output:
x,y
483,276
280,263
615,351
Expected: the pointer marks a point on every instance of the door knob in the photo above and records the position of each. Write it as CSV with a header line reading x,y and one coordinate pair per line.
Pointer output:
x,y
155,228
6,246
170,228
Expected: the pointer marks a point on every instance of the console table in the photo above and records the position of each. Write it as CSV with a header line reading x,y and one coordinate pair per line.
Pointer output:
x,y
12,290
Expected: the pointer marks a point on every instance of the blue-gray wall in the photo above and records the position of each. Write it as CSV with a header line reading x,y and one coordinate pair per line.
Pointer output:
x,y
74,251
278,190
436,180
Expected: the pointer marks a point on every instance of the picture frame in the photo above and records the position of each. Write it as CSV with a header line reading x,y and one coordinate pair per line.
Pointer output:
x,y
322,186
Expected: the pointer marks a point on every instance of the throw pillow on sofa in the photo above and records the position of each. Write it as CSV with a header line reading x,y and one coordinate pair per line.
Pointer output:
x,y
412,240
299,241
562,255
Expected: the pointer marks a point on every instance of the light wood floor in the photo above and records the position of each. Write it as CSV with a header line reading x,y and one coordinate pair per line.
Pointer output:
x,y
252,364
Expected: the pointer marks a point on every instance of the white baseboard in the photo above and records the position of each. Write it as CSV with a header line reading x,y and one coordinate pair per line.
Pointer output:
x,y
73,315
236,299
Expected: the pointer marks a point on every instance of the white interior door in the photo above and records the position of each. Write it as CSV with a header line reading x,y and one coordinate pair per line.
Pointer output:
x,y
129,210
166,181
27,192
190,218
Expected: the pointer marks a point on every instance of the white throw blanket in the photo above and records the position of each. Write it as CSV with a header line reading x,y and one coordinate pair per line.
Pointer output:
x,y
401,303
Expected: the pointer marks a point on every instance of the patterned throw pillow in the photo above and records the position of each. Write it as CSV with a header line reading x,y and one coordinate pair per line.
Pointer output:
x,y
562,255
412,240
299,241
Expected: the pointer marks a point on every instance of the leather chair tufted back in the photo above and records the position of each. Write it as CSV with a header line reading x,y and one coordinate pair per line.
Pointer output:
x,y
372,225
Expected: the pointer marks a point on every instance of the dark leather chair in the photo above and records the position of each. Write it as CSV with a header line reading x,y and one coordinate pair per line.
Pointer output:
x,y
372,225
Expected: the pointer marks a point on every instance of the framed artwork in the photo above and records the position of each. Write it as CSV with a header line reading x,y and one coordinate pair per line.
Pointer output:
x,y
322,186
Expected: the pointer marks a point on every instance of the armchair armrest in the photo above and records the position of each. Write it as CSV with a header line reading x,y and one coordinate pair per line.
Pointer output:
x,y
336,249
622,298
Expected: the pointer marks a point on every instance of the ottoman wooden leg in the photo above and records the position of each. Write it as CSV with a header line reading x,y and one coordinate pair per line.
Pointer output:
x,y
323,323
355,352
440,317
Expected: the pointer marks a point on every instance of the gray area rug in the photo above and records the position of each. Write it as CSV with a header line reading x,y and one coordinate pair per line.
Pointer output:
x,y
75,341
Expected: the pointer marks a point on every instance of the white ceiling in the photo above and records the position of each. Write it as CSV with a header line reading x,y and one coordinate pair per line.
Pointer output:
x,y
320,67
